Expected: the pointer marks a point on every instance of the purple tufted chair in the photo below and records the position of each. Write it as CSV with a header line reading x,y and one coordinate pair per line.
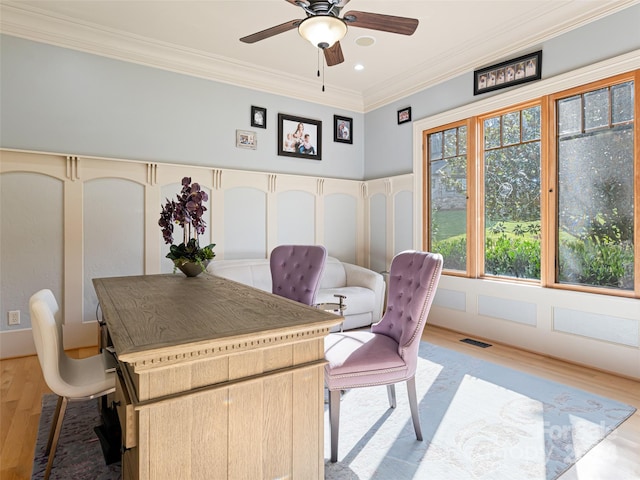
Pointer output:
x,y
388,354
296,271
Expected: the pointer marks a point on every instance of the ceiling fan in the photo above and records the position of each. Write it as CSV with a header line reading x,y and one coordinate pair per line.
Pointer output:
x,y
324,28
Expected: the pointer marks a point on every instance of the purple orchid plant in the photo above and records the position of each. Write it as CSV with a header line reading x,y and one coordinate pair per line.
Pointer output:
x,y
187,211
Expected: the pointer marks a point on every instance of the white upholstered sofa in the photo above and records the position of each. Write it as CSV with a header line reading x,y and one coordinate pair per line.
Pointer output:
x,y
363,288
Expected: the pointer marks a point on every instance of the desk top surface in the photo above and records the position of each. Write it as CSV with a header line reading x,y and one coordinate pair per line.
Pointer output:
x,y
153,313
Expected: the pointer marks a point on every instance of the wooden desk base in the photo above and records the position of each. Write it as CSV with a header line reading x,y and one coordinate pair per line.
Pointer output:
x,y
211,403
264,426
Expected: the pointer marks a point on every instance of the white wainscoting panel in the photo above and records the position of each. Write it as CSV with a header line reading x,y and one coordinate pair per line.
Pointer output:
x,y
296,218
609,328
340,226
452,299
113,219
403,221
48,241
31,235
507,309
378,232
245,223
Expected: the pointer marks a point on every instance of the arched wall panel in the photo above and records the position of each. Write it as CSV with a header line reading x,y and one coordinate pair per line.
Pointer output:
x,y
340,223
296,218
31,235
245,223
113,234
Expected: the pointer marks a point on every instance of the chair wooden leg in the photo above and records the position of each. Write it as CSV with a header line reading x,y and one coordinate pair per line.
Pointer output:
x,y
413,403
391,393
54,433
334,420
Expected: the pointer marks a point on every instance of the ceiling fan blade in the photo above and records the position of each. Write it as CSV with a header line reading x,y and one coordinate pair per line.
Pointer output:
x,y
270,32
384,23
333,55
298,2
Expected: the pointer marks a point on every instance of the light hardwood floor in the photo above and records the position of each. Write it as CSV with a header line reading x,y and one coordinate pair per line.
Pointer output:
x,y
616,457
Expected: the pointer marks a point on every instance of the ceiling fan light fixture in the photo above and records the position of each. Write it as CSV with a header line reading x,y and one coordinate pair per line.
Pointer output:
x,y
322,31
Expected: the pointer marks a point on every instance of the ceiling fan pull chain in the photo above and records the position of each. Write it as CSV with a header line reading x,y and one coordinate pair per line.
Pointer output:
x,y
321,50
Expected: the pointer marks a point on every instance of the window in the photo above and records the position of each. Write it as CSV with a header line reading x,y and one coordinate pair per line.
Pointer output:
x,y
545,191
511,155
447,172
595,171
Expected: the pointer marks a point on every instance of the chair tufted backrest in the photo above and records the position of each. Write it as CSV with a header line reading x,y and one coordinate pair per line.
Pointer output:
x,y
413,279
296,271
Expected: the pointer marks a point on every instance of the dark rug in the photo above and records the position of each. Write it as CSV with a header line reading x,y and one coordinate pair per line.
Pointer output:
x,y
79,455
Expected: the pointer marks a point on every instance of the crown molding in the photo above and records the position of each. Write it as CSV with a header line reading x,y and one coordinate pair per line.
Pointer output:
x,y
451,64
32,24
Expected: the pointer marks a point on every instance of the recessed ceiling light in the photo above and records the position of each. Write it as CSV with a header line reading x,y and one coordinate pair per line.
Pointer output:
x,y
358,67
365,41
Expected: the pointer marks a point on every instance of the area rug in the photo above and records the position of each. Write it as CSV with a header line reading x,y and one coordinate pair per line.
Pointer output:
x,y
479,421
79,455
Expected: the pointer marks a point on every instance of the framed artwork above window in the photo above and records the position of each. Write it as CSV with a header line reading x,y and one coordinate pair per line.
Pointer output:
x,y
526,68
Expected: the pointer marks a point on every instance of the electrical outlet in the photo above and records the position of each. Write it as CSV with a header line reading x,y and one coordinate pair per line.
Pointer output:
x,y
14,317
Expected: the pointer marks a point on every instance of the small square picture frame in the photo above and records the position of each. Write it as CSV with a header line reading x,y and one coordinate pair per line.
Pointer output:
x,y
404,115
258,117
246,139
342,129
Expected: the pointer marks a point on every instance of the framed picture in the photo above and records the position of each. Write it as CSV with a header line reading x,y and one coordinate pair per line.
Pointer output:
x,y
258,117
246,139
512,72
404,115
342,129
299,137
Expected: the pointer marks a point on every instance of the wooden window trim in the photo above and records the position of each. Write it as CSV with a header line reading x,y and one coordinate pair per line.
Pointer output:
x,y
480,193
548,185
426,192
550,261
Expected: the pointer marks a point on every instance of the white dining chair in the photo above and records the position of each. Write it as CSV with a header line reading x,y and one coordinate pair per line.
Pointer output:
x,y
69,378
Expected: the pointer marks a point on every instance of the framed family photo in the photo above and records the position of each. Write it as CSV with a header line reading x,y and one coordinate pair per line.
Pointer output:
x,y
404,115
526,68
258,117
299,137
342,129
246,139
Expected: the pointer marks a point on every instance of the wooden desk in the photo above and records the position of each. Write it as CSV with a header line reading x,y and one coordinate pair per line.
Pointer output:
x,y
216,379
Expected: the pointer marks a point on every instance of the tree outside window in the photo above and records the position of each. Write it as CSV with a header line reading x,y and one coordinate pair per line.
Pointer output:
x,y
511,144
595,151
447,170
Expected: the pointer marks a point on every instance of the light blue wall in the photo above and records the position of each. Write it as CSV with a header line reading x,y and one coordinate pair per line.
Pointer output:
x,y
63,101
389,147
60,100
